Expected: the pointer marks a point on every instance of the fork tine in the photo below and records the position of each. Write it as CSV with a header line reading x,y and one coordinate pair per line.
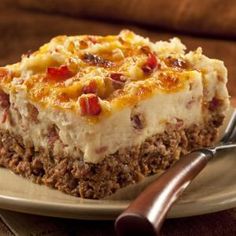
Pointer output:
x,y
230,131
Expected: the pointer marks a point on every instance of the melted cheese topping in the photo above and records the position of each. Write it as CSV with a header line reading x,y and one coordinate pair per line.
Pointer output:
x,y
113,64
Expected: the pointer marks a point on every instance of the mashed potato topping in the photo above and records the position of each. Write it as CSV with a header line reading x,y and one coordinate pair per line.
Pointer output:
x,y
120,70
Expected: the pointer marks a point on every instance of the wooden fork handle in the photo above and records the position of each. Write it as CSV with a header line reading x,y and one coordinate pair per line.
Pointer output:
x,y
146,214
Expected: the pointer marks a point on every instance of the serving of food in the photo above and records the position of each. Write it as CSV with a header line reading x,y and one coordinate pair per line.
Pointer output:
x,y
89,115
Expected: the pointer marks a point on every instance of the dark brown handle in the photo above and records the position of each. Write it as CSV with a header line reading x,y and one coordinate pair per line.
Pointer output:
x,y
146,214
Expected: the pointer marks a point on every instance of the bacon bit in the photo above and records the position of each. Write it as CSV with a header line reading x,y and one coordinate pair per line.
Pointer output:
x,y
4,116
58,73
138,121
97,60
177,63
215,103
4,104
90,105
4,100
33,112
150,65
121,40
117,79
90,88
53,135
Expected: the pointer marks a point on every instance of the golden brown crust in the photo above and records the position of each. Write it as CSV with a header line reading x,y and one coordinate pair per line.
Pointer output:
x,y
120,70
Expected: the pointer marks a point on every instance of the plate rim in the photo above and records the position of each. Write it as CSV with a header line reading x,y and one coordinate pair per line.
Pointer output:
x,y
109,211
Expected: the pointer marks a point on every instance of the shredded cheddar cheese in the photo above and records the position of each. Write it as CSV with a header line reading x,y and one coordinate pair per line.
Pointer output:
x,y
114,71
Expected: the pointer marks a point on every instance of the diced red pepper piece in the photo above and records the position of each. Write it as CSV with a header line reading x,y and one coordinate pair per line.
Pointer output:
x,y
59,73
150,65
90,88
90,105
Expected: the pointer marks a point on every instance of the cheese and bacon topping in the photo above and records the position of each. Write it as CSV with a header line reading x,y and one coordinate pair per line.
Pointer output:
x,y
94,75
97,95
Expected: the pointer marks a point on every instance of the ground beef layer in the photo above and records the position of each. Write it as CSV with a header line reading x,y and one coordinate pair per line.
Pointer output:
x,y
75,177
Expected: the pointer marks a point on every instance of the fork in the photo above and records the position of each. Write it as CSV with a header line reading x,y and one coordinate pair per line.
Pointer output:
x,y
146,214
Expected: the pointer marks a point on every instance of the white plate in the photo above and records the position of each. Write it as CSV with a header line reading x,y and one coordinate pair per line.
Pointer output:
x,y
213,190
